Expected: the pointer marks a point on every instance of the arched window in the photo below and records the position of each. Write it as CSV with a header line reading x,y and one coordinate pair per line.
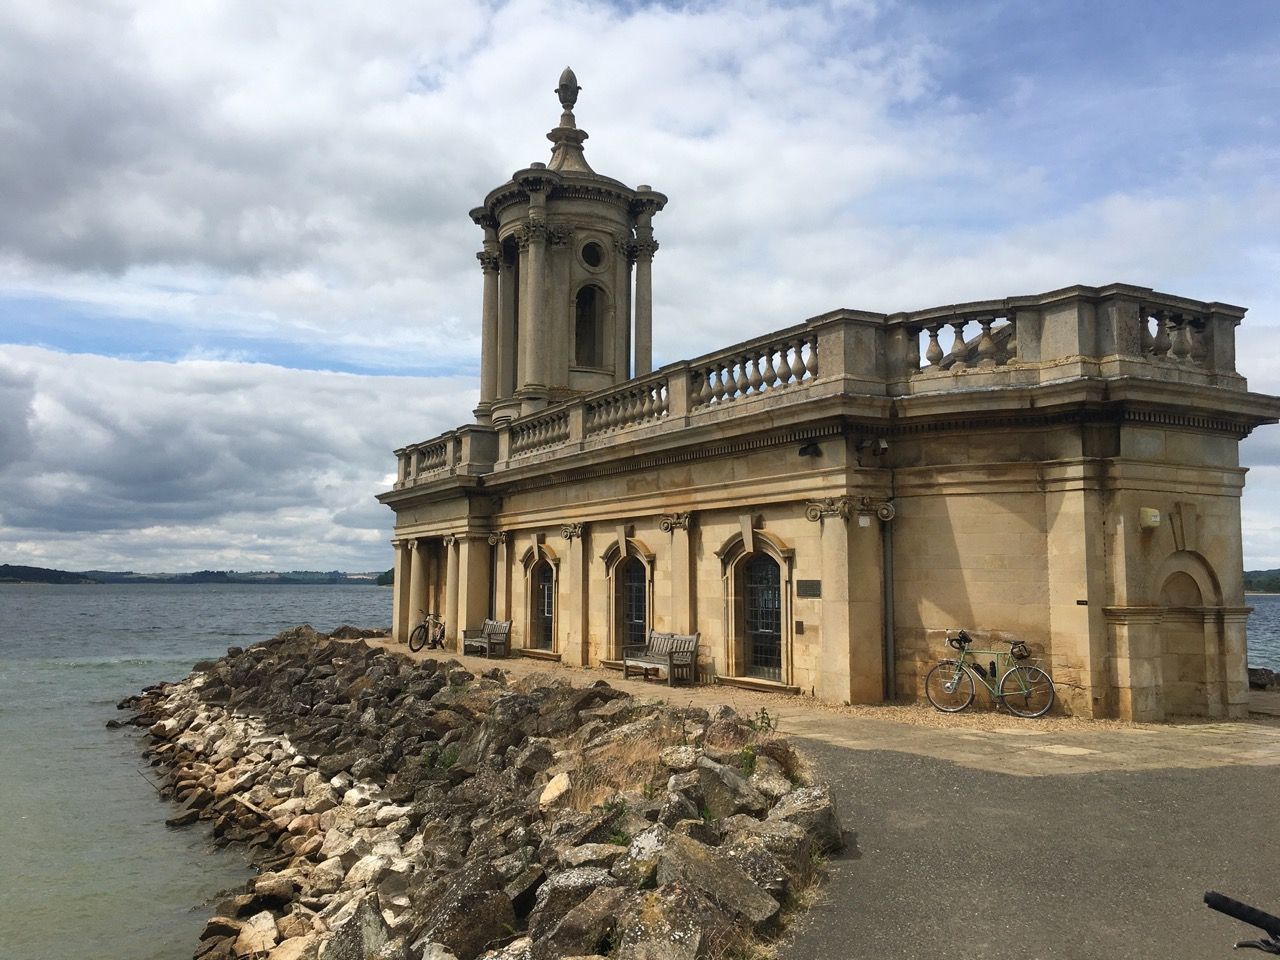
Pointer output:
x,y
543,619
762,602
632,601
588,330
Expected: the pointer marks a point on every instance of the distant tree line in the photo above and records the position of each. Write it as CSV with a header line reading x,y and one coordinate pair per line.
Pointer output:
x,y
1262,581
22,574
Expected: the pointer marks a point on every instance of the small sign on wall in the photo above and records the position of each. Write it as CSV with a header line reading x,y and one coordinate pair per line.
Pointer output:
x,y
809,589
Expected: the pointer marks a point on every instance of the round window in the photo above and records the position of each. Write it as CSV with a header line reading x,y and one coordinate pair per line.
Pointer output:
x,y
592,254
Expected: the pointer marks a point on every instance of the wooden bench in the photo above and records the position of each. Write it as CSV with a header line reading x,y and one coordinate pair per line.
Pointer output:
x,y
676,653
492,638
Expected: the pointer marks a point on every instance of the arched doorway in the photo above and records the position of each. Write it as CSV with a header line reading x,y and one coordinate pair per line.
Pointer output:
x,y
543,619
631,602
762,603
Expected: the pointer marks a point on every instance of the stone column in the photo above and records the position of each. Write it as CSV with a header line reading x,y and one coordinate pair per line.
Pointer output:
x,y
489,332
453,632
645,247
577,640
684,616
417,580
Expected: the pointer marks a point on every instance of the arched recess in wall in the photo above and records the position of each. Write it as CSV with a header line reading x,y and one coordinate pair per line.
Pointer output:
x,y
630,577
757,579
1191,565
1190,631
590,331
542,591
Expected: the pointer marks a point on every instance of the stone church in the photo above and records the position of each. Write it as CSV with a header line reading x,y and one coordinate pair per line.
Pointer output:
x,y
821,503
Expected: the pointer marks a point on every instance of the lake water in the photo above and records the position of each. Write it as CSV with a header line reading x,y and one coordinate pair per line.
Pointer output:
x,y
88,867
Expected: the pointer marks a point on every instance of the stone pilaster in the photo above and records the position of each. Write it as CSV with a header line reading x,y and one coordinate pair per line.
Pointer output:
x,y
502,576
684,614
576,649
473,583
453,632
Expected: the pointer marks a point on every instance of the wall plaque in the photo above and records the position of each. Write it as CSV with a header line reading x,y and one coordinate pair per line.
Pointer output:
x,y
808,588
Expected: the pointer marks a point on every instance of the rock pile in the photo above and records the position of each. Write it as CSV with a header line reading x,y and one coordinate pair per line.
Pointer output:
x,y
1260,678
414,811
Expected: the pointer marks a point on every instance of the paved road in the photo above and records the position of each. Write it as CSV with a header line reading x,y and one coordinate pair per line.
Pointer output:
x,y
994,838
955,860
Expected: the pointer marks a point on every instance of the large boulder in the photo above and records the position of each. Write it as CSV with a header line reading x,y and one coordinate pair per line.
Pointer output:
x,y
470,913
588,928
717,878
361,934
561,893
814,811
674,922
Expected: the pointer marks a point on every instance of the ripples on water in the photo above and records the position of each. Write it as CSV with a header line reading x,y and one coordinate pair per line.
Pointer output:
x,y
89,868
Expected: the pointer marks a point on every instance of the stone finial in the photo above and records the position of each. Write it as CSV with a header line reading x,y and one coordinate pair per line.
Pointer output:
x,y
566,154
568,93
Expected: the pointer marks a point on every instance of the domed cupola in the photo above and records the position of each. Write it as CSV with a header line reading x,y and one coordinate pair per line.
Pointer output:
x,y
560,241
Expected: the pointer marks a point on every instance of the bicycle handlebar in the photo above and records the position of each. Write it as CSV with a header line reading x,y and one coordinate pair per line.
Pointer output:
x,y
1243,912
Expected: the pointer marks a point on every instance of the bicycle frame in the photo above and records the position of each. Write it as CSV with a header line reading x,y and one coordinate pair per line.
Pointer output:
x,y
1004,661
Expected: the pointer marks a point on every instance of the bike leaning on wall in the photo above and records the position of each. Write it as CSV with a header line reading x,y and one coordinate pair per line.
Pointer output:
x,y
1024,688
429,633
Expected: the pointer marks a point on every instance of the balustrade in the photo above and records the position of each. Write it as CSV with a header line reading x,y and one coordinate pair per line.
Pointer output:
x,y
1179,337
539,432
755,370
627,406
1069,332
976,341
422,460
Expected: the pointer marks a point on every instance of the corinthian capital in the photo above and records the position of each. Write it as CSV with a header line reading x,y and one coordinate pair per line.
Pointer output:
x,y
488,261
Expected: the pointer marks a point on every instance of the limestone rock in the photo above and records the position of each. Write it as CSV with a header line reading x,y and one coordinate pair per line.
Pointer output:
x,y
717,878
472,913
585,929
257,935
814,811
362,934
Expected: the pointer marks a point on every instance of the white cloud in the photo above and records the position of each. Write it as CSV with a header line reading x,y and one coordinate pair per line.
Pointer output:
x,y
239,175
203,463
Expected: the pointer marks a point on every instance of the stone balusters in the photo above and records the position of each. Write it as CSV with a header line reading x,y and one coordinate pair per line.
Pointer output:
x,y
993,344
1179,337
537,433
627,406
769,366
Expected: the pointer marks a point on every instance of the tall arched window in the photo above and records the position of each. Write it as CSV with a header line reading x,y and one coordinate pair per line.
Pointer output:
x,y
588,329
544,606
762,601
632,601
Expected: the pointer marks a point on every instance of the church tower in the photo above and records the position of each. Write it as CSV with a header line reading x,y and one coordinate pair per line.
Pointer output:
x,y
560,242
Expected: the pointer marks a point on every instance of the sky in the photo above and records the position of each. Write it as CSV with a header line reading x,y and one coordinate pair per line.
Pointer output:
x,y
237,271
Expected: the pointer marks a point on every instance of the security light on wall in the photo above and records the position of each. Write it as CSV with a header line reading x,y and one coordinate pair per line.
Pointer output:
x,y
1148,518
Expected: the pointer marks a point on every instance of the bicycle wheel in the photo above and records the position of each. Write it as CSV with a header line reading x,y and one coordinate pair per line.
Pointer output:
x,y
1027,691
949,686
418,639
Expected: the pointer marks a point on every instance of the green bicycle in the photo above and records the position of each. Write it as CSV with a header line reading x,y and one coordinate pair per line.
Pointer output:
x,y
1025,689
